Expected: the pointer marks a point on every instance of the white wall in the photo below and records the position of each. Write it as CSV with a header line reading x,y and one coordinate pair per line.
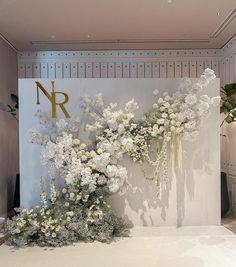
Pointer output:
x,y
192,197
8,128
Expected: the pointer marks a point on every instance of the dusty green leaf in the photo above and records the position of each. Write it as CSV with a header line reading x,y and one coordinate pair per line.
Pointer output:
x,y
229,119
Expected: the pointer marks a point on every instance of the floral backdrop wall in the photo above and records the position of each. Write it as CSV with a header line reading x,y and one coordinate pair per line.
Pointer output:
x,y
84,158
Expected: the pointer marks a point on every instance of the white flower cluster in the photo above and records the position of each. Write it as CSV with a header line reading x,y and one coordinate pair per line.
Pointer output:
x,y
71,159
112,128
40,219
177,116
182,113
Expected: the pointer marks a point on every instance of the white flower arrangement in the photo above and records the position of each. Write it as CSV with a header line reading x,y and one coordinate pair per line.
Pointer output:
x,y
93,171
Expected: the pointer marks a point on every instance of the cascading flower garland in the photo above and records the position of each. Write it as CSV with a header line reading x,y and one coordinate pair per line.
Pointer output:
x,y
92,172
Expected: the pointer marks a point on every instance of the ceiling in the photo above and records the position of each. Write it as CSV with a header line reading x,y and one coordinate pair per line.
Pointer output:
x,y
117,24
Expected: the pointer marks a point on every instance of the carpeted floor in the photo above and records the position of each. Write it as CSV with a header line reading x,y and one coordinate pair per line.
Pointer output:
x,y
202,246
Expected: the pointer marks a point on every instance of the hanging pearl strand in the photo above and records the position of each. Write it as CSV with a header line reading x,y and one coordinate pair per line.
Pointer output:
x,y
161,166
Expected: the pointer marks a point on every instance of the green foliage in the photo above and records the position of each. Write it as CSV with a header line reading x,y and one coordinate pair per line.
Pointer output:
x,y
228,106
12,109
65,221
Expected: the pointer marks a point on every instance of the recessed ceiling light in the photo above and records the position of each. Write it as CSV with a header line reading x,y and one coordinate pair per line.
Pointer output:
x,y
169,1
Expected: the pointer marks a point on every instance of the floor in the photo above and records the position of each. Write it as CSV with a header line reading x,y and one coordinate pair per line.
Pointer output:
x,y
201,246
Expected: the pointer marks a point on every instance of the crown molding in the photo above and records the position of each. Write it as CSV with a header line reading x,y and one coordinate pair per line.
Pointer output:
x,y
8,42
228,19
120,41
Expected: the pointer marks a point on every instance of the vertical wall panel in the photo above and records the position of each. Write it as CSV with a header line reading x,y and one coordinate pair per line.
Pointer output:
x,y
133,70
163,72
44,70
21,71
222,72
104,71
74,70
51,71
192,69
126,70
36,70
111,70
200,68
59,70
81,70
178,69
29,70
208,64
231,69
96,70
118,71
170,69
155,69
66,70
148,69
227,71
89,70
215,67
141,70
185,69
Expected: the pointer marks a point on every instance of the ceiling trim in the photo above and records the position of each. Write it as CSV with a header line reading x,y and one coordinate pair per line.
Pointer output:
x,y
120,41
228,19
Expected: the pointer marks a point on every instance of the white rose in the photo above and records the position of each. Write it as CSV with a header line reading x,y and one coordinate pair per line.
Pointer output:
x,y
167,98
203,107
156,92
215,101
72,195
205,98
82,146
99,151
54,235
164,115
64,190
83,157
190,99
172,116
160,121
167,104
155,106
114,187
